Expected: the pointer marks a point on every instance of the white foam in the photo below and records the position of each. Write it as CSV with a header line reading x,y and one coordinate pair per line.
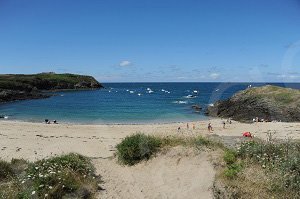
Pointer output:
x,y
190,96
180,102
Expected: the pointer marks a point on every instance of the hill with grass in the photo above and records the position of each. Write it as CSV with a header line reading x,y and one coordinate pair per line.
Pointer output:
x,y
266,102
19,86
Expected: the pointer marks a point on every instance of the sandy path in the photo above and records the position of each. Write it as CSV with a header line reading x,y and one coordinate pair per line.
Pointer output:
x,y
180,173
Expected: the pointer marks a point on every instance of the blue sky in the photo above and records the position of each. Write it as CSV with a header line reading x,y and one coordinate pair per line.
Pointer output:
x,y
153,40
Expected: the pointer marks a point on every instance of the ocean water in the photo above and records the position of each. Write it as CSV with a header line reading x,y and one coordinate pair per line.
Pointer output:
x,y
127,103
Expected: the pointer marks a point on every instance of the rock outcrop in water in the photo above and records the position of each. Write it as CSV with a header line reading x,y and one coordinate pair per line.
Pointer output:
x,y
267,102
21,87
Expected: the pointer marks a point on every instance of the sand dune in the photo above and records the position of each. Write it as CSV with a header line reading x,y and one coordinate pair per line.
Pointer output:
x,y
179,173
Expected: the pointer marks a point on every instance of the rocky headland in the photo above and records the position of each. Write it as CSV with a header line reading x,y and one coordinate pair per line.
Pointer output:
x,y
266,102
20,87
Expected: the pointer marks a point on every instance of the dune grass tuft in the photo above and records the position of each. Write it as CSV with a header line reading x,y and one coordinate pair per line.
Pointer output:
x,y
69,175
138,147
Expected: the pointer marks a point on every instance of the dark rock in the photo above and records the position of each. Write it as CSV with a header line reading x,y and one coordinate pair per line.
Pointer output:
x,y
12,95
196,107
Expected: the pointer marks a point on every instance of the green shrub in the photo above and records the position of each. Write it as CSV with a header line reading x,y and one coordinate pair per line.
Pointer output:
x,y
137,147
5,170
230,157
230,173
70,176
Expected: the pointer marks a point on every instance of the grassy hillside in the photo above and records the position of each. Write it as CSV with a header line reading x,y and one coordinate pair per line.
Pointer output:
x,y
47,81
278,95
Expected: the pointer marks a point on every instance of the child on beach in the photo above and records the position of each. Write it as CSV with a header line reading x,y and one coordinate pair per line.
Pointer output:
x,y
223,122
209,127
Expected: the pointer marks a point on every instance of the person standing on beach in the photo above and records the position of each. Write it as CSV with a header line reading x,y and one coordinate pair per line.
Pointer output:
x,y
194,126
224,123
187,126
209,127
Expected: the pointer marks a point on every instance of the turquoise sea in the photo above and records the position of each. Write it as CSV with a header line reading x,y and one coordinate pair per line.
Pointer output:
x,y
125,103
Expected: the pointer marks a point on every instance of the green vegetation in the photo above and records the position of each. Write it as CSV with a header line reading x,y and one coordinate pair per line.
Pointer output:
x,y
138,147
262,168
276,94
70,176
47,81
233,167
5,170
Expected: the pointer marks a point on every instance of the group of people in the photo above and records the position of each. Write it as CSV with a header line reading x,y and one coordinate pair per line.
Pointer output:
x,y
48,121
209,126
255,120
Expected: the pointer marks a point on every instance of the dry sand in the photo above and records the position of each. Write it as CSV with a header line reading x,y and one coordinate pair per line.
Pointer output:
x,y
179,173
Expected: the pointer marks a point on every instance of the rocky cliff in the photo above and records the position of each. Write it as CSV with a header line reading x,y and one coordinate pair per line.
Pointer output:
x,y
20,87
267,102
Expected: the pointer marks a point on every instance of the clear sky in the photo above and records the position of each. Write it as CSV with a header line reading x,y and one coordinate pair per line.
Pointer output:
x,y
153,40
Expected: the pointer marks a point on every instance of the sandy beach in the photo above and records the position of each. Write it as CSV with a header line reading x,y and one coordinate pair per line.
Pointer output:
x,y
174,174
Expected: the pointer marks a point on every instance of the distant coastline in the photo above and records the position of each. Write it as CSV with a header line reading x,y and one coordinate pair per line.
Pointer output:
x,y
15,87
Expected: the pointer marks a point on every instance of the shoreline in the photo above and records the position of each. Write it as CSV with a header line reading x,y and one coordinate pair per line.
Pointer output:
x,y
100,124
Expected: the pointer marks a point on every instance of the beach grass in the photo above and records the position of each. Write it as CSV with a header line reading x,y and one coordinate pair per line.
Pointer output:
x,y
269,169
70,175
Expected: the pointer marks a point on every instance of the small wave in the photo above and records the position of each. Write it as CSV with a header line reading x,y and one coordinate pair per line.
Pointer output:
x,y
210,104
180,102
131,92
